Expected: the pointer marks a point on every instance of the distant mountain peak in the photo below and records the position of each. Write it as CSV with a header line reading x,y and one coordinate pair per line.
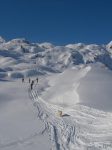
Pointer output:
x,y
2,40
20,40
46,45
109,45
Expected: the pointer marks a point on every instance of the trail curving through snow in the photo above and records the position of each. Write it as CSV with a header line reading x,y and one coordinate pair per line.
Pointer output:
x,y
80,128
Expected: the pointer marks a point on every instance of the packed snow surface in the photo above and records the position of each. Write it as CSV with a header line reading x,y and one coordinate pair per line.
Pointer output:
x,y
81,127
19,126
75,79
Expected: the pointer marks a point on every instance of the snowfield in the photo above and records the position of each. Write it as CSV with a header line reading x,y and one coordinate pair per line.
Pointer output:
x,y
20,127
81,127
75,79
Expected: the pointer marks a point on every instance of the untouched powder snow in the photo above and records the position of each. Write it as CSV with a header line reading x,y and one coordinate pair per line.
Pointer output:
x,y
63,87
95,89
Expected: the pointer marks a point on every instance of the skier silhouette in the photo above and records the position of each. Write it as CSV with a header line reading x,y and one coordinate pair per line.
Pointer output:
x,y
22,80
29,80
31,86
32,83
37,80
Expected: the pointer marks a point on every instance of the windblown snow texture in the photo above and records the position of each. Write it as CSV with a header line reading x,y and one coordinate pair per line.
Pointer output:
x,y
20,58
79,128
75,79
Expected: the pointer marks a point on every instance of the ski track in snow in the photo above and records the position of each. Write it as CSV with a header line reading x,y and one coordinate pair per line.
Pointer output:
x,y
81,128
21,141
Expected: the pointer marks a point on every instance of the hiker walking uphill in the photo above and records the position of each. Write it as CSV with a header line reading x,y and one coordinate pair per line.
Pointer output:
x,y
37,80
22,80
32,83
29,80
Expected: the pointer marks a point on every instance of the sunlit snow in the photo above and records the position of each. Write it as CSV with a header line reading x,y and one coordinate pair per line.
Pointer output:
x,y
75,79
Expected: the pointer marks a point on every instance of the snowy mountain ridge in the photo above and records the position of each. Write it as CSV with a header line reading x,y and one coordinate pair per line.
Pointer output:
x,y
19,57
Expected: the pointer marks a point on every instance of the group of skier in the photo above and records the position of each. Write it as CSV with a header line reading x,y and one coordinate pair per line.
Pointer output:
x,y
31,82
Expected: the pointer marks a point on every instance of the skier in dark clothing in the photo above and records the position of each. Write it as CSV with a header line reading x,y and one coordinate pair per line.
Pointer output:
x,y
29,80
37,80
31,86
32,83
22,80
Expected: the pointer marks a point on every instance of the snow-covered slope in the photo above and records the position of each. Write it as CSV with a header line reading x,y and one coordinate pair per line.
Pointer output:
x,y
78,93
19,126
42,58
75,79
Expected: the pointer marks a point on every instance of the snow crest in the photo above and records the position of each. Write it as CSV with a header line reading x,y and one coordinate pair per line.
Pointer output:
x,y
45,58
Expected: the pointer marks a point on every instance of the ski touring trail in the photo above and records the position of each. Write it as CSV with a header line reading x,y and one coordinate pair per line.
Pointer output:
x,y
20,129
80,128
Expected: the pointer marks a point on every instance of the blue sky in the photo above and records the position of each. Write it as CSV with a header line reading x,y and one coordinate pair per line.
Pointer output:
x,y
57,21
